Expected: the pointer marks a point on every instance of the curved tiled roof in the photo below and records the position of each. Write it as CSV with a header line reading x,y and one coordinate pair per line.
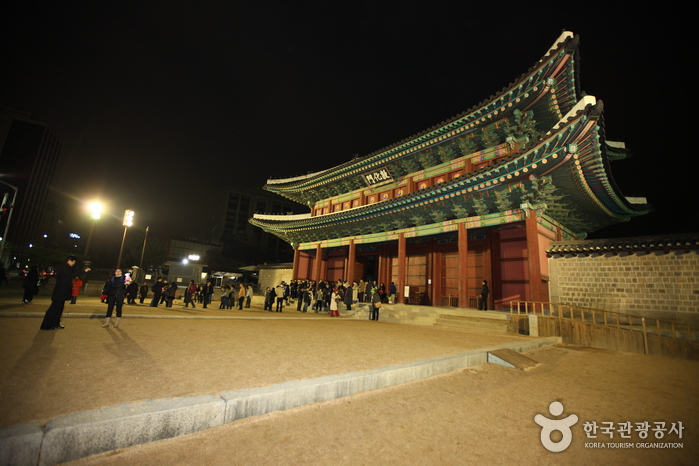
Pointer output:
x,y
573,156
640,244
555,69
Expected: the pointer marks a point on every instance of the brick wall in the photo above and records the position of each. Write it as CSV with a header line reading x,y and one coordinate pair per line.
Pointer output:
x,y
655,284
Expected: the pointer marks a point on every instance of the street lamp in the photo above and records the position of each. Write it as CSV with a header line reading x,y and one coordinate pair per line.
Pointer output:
x,y
9,216
96,209
143,251
128,221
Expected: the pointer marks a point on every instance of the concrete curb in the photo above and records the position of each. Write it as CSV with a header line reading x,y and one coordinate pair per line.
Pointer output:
x,y
20,444
86,433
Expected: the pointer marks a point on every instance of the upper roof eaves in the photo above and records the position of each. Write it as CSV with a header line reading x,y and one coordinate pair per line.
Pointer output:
x,y
289,186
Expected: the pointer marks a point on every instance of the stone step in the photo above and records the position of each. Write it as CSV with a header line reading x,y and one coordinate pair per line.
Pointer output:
x,y
495,327
461,313
480,318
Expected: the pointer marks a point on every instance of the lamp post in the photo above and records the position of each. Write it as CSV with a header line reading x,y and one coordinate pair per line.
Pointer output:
x,y
143,251
9,217
128,221
96,209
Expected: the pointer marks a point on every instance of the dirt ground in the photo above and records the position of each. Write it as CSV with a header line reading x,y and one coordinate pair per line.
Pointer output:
x,y
479,415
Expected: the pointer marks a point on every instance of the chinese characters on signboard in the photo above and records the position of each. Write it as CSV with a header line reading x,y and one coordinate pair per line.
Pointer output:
x,y
378,177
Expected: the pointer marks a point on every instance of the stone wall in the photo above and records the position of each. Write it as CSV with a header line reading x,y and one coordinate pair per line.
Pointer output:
x,y
655,284
272,277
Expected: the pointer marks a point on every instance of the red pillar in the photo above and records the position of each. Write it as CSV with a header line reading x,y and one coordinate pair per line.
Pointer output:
x,y
316,264
433,299
533,257
401,267
351,262
387,263
495,280
463,265
295,267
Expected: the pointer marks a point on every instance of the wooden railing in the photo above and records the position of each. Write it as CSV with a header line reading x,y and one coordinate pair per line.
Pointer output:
x,y
453,301
450,301
609,319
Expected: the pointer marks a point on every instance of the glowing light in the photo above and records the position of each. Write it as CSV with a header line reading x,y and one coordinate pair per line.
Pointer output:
x,y
128,218
96,209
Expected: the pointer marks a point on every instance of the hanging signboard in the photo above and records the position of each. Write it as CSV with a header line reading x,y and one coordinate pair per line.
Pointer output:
x,y
378,177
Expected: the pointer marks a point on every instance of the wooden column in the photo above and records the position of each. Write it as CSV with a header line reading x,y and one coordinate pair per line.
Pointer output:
x,y
533,257
431,276
295,267
351,262
488,259
316,264
463,265
496,267
401,267
381,276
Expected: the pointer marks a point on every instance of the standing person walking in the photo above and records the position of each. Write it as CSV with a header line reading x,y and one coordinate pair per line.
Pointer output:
x,y
248,296
349,296
241,296
131,292
143,292
3,274
485,291
77,284
334,302
269,298
375,305
207,291
224,297
279,292
157,290
190,295
172,294
392,292
115,291
61,293
31,285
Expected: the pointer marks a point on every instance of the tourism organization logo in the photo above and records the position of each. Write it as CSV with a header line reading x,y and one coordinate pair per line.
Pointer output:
x,y
548,426
608,429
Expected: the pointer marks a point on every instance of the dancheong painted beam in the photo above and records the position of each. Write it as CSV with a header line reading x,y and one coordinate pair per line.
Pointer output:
x,y
525,167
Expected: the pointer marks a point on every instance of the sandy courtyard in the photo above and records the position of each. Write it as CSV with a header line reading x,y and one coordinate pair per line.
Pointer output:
x,y
482,415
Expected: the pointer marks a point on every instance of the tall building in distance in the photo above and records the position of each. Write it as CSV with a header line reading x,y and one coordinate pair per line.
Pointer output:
x,y
29,153
232,229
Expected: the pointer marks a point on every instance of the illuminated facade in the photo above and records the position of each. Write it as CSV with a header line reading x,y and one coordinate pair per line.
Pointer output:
x,y
477,197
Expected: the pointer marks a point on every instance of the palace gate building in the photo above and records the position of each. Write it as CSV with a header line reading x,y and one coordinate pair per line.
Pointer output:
x,y
479,196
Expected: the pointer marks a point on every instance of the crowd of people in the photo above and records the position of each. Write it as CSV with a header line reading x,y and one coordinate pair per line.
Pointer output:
x,y
327,297
319,296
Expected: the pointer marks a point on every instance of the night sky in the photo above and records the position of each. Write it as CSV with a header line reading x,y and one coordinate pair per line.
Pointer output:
x,y
159,105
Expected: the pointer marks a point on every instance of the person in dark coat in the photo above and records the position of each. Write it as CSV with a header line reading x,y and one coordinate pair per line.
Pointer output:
x,y
207,290
116,290
31,285
269,298
61,293
375,305
157,290
143,292
132,292
485,291
349,297
3,274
